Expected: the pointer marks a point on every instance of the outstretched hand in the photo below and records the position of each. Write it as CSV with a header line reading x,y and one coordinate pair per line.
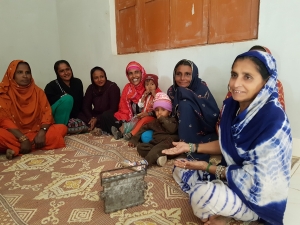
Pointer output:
x,y
190,165
179,147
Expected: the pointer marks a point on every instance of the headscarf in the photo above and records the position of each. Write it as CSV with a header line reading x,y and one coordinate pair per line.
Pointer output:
x,y
196,86
130,94
203,118
257,146
135,91
99,91
27,107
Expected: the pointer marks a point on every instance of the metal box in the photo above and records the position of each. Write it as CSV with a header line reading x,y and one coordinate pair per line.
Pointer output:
x,y
123,190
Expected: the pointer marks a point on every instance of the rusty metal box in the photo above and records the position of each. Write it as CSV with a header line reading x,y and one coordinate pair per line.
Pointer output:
x,y
123,190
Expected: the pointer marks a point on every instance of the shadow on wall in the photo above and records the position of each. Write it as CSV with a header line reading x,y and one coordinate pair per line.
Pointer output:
x,y
164,82
217,81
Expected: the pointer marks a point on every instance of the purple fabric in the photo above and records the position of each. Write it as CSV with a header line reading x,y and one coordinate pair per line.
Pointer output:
x,y
107,100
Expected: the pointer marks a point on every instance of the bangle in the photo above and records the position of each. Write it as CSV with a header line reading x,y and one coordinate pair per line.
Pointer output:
x,y
23,138
207,168
219,172
192,148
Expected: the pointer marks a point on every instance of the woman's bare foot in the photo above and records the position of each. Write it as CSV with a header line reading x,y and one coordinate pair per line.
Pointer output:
x,y
216,220
10,154
222,220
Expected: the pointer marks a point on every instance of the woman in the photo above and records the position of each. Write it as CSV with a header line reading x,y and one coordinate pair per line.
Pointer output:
x,y
193,104
65,94
256,142
26,121
128,106
102,95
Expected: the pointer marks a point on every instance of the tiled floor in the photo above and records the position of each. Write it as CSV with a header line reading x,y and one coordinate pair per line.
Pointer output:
x,y
293,205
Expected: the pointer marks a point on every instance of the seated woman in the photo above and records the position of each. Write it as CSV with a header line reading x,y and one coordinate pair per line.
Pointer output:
x,y
26,121
256,142
128,106
65,94
193,105
102,95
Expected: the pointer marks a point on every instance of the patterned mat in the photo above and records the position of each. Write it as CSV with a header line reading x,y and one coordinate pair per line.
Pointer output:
x,y
62,187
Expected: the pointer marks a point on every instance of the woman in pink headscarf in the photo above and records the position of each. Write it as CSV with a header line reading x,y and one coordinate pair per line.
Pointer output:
x,y
128,106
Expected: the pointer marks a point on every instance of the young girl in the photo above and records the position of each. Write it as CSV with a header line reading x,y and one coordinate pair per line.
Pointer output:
x,y
145,104
164,133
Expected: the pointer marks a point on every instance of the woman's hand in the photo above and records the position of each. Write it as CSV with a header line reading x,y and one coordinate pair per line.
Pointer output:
x,y
180,147
146,93
26,147
40,139
142,114
92,123
191,165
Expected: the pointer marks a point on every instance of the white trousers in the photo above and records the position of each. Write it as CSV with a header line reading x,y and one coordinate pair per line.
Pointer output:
x,y
210,198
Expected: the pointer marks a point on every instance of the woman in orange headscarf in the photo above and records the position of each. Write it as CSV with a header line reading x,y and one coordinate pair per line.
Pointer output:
x,y
26,121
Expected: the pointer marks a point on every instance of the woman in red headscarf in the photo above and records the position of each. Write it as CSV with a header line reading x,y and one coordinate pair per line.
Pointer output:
x,y
128,106
26,121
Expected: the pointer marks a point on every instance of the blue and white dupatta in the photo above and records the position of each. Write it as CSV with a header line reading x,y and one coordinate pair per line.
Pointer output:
x,y
257,146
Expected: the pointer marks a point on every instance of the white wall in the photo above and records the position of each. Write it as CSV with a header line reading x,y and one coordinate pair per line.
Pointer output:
x,y
83,32
28,31
87,38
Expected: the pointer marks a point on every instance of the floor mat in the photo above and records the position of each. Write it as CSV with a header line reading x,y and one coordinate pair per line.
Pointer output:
x,y
62,187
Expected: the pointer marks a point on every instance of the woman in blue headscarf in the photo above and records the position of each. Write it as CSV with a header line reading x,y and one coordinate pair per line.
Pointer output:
x,y
255,140
193,104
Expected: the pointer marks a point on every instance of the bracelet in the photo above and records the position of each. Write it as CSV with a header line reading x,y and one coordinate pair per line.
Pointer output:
x,y
23,138
219,172
192,148
207,168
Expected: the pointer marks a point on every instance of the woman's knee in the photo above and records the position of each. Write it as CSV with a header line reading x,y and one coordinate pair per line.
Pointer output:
x,y
66,101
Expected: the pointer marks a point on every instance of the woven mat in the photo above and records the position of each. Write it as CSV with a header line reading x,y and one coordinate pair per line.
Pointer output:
x,y
62,187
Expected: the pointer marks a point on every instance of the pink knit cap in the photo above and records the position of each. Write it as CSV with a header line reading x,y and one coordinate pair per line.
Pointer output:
x,y
162,99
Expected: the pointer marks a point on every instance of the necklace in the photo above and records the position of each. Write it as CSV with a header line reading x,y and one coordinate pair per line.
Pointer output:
x,y
237,112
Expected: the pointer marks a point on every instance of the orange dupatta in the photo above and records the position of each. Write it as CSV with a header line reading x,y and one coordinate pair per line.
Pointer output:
x,y
23,108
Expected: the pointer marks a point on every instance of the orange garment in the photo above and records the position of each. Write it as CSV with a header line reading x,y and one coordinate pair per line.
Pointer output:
x,y
140,123
54,139
24,108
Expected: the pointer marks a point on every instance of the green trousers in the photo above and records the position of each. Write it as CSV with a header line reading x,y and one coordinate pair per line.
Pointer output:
x,y
62,108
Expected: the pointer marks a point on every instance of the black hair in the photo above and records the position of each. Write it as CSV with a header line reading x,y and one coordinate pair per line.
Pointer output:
x,y
184,62
25,63
56,65
97,68
260,66
258,47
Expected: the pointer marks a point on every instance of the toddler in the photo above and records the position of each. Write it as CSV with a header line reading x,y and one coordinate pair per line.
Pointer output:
x,y
145,104
164,130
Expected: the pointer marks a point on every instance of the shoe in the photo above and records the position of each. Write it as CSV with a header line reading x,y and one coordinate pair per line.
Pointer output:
x,y
127,136
116,133
162,160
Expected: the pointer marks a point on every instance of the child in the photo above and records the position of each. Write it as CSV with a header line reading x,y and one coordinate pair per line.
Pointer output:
x,y
127,130
164,133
